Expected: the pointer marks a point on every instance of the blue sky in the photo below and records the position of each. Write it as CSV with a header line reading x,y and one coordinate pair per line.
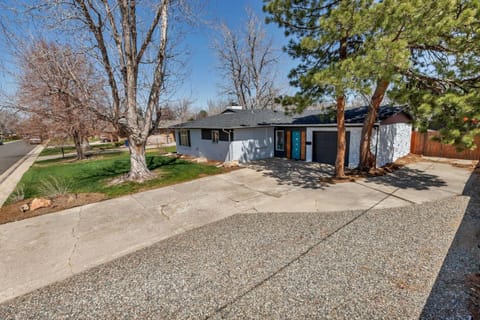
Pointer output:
x,y
201,79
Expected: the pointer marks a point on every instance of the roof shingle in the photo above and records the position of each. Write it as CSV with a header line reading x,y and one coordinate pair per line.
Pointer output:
x,y
232,118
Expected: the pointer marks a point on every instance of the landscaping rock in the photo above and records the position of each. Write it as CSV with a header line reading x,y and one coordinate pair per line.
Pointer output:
x,y
200,160
24,208
72,197
230,164
38,203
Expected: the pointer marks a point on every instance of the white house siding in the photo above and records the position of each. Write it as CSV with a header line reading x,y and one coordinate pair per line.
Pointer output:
x,y
394,142
203,148
252,144
258,143
354,147
249,144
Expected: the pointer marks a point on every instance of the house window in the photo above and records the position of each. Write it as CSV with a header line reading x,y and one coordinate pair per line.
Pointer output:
x,y
223,135
280,140
206,134
215,136
226,135
184,137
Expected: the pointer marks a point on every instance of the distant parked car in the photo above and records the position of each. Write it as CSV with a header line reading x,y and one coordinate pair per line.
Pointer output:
x,y
108,138
35,140
1,142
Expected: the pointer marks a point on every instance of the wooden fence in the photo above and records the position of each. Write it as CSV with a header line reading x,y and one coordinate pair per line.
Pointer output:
x,y
423,144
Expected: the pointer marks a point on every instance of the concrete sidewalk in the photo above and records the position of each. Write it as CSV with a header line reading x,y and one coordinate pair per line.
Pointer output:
x,y
97,152
45,249
10,178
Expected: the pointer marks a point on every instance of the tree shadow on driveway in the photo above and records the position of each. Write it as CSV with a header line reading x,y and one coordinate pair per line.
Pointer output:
x,y
409,178
302,174
449,297
313,175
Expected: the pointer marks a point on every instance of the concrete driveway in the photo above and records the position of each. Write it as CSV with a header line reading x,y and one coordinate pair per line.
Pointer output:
x,y
45,249
371,264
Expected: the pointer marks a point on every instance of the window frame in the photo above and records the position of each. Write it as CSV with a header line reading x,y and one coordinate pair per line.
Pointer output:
x,y
283,140
184,137
215,136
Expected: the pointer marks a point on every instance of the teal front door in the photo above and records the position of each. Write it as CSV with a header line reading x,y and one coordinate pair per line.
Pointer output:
x,y
296,144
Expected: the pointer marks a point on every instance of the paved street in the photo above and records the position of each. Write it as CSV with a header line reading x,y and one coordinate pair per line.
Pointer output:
x,y
13,172
12,152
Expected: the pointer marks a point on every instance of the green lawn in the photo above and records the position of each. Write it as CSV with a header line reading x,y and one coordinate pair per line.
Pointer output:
x,y
171,149
69,149
94,175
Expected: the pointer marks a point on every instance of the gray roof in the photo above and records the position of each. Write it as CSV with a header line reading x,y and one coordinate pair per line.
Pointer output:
x,y
233,118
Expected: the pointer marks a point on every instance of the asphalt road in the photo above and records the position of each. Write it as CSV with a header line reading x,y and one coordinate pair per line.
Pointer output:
x,y
372,264
11,153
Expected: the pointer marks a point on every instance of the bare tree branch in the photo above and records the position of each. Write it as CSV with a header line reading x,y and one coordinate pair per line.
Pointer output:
x,y
248,62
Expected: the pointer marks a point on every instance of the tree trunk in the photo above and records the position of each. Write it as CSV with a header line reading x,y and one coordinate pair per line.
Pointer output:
x,y
367,158
340,161
85,145
77,140
139,171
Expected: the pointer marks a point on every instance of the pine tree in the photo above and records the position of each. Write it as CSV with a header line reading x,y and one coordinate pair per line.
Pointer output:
x,y
370,46
324,35
411,41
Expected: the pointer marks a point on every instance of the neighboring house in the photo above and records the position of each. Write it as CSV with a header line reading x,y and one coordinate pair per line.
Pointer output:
x,y
163,134
247,135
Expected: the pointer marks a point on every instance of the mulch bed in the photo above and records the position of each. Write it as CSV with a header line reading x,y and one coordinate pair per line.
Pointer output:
x,y
353,174
12,212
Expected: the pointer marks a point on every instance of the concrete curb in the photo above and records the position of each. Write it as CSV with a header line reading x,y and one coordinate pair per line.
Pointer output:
x,y
11,141
10,178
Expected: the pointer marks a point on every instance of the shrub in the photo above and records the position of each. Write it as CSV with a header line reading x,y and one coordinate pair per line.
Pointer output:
x,y
53,187
18,194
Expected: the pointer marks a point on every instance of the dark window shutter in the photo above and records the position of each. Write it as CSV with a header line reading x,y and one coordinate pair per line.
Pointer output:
x,y
189,143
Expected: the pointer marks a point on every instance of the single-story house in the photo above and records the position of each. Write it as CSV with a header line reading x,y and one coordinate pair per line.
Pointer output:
x,y
246,135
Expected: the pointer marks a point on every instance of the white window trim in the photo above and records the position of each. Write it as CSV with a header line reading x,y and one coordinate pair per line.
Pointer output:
x,y
184,141
215,136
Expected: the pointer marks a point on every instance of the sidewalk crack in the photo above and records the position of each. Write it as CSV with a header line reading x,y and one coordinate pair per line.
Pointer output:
x,y
387,193
163,212
76,236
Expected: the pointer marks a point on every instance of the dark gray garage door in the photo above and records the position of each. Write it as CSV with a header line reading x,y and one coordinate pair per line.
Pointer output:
x,y
325,147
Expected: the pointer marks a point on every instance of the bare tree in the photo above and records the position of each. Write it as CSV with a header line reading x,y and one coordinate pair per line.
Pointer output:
x,y
60,88
216,106
8,122
182,109
32,126
130,40
247,60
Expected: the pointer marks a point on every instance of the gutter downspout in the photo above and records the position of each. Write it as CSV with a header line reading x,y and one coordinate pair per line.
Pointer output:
x,y
229,144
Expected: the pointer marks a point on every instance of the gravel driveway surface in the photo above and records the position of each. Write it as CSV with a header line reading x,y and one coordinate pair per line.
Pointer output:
x,y
358,265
